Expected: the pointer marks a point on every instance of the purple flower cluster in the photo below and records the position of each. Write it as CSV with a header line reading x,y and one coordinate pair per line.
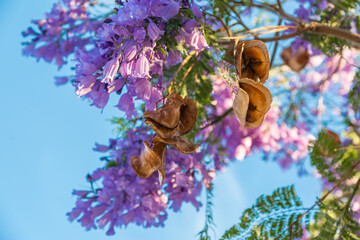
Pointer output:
x,y
65,29
124,197
132,51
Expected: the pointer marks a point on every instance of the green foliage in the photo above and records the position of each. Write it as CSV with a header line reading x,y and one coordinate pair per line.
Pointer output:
x,y
123,125
328,161
270,217
354,94
334,221
340,16
329,45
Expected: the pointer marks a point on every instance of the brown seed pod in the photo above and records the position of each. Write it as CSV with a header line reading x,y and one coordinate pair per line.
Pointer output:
x,y
252,60
333,135
240,106
169,114
188,116
296,61
182,144
160,150
336,139
259,101
147,163
162,131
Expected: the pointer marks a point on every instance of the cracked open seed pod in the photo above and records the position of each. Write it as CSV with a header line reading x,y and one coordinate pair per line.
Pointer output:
x,y
188,116
151,160
169,114
252,60
147,163
240,106
160,150
181,113
182,144
296,61
259,102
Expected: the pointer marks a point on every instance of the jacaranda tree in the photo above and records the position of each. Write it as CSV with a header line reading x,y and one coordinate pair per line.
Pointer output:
x,y
202,83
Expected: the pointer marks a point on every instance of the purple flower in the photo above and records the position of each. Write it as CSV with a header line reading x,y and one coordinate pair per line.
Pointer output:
x,y
154,31
142,67
173,58
85,85
99,95
110,70
142,88
302,12
170,11
130,53
196,10
197,41
61,80
139,34
126,68
100,148
126,104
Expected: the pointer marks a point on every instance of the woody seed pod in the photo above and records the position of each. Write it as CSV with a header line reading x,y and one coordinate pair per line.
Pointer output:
x,y
296,61
252,60
259,101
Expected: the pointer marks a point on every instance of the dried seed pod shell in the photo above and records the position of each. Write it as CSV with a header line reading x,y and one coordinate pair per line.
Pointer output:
x,y
160,150
296,61
147,163
333,135
169,114
240,106
162,131
254,62
336,141
182,144
259,101
188,116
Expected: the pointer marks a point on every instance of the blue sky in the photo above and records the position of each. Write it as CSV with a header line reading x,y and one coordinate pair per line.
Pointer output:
x,y
46,137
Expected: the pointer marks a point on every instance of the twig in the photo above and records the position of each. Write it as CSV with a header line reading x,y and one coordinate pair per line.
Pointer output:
x,y
218,118
260,31
348,147
225,26
276,42
187,72
172,80
239,19
314,27
324,197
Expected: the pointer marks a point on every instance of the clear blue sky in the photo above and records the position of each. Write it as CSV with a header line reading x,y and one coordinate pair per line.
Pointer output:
x,y
46,137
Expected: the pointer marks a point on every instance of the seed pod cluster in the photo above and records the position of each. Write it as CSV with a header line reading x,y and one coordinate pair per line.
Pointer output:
x,y
170,122
253,99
